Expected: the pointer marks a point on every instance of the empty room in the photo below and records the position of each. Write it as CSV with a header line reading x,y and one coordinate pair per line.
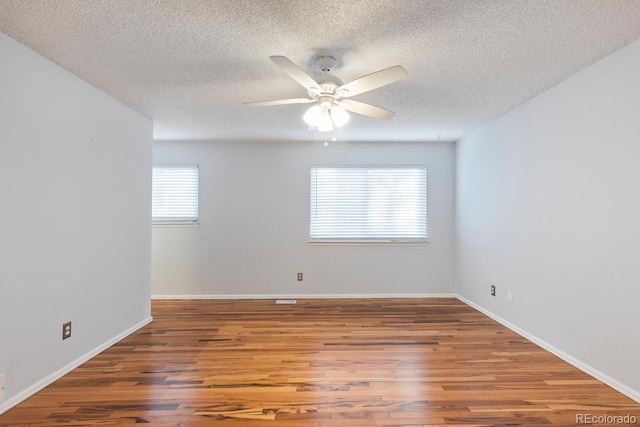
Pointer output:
x,y
331,214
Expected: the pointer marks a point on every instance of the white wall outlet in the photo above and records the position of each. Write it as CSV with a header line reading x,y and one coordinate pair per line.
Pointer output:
x,y
510,297
2,378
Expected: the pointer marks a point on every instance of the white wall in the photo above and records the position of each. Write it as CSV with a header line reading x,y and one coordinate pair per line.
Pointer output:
x,y
254,213
75,202
548,206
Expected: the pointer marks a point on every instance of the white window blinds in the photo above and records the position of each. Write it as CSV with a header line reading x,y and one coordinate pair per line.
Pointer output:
x,y
378,204
175,194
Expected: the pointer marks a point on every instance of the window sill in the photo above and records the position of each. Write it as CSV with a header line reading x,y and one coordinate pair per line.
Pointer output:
x,y
370,242
177,224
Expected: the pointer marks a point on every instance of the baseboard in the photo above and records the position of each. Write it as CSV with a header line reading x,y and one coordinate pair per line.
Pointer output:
x,y
30,391
584,367
303,296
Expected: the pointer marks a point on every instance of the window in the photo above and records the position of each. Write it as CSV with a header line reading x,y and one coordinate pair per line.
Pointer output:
x,y
368,204
175,195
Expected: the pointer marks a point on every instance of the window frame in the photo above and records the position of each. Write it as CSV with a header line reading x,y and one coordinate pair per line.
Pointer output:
x,y
421,237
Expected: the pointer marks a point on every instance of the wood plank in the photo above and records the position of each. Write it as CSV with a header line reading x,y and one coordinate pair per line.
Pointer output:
x,y
334,362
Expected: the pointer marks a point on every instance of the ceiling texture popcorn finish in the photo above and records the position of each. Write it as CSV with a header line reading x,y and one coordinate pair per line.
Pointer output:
x,y
190,65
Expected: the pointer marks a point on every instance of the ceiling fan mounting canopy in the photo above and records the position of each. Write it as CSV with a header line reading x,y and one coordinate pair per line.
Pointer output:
x,y
329,93
326,63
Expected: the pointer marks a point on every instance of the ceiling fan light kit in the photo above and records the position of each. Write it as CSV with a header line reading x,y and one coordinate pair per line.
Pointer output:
x,y
325,115
330,95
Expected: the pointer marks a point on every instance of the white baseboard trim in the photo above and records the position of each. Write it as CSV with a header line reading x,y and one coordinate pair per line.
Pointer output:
x,y
303,296
588,369
30,391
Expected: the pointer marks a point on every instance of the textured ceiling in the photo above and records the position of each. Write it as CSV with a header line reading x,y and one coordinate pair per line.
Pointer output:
x,y
189,65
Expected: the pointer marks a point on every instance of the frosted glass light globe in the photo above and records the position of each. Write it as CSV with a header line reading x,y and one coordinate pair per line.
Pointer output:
x,y
339,116
312,116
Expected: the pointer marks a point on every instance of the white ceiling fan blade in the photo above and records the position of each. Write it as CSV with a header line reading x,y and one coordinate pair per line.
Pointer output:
x,y
296,73
281,102
365,109
372,81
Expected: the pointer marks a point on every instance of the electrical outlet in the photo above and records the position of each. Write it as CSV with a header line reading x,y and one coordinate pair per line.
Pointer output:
x,y
493,290
510,297
66,330
2,379
299,277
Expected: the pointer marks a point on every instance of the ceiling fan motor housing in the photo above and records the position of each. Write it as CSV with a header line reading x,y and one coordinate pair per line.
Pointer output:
x,y
328,85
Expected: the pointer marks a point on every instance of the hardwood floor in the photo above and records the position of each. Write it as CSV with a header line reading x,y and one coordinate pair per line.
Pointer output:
x,y
351,362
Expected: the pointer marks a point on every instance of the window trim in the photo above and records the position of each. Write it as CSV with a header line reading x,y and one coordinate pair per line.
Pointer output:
x,y
371,241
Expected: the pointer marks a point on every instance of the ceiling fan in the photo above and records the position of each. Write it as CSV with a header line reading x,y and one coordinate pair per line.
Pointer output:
x,y
330,96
